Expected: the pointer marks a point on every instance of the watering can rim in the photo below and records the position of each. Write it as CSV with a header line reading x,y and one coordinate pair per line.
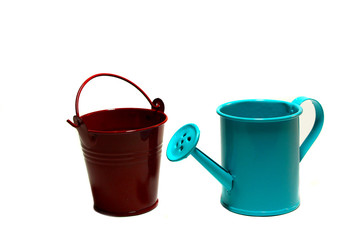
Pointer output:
x,y
270,119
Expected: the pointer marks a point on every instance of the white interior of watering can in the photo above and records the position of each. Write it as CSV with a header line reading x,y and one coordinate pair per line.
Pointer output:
x,y
259,109
123,119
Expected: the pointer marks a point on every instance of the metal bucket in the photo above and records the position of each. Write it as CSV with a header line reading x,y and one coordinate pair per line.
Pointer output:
x,y
122,150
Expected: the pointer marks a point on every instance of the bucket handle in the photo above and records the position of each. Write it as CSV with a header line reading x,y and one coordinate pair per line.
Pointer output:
x,y
157,104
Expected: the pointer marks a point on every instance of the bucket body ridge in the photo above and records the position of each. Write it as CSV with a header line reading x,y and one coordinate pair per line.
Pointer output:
x,y
123,167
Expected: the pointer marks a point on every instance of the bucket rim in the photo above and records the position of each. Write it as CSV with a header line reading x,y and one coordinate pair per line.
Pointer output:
x,y
268,119
130,130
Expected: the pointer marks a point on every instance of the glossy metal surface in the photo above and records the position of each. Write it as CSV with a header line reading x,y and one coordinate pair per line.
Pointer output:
x,y
184,142
122,151
260,148
260,151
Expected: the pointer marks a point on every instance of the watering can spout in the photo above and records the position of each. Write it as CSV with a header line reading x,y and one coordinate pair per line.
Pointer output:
x,y
183,144
223,176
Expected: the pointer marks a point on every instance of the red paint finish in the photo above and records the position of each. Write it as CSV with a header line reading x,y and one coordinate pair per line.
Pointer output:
x,y
122,151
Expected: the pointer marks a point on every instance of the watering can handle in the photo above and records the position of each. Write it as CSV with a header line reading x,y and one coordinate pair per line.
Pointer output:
x,y
316,129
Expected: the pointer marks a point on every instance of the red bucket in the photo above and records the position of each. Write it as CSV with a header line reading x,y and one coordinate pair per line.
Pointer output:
x,y
122,150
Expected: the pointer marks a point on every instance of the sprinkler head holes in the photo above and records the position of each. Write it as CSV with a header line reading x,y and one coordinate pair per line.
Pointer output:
x,y
183,142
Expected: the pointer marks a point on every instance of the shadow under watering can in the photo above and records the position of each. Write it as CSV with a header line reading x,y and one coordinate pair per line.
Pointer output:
x,y
260,154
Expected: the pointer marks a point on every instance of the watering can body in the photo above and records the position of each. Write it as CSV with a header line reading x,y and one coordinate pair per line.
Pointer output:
x,y
260,152
263,159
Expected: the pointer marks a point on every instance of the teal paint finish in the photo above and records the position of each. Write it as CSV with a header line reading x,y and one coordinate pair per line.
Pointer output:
x,y
184,142
263,158
260,154
318,124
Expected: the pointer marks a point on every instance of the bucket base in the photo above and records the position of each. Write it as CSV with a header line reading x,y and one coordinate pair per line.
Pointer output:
x,y
127,214
260,213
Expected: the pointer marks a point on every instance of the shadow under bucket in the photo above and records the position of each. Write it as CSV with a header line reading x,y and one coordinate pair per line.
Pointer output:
x,y
122,150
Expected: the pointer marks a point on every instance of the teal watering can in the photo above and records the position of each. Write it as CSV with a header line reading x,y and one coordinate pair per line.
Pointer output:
x,y
260,152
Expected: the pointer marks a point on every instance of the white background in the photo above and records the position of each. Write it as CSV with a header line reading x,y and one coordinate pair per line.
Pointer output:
x,y
195,55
